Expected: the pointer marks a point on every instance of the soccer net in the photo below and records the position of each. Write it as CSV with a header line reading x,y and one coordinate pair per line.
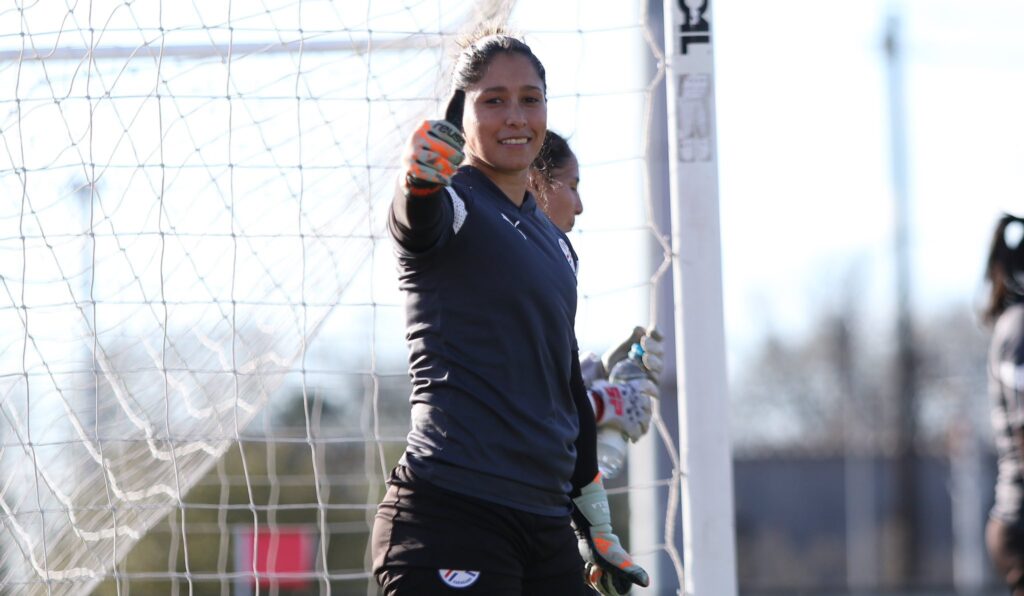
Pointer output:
x,y
202,365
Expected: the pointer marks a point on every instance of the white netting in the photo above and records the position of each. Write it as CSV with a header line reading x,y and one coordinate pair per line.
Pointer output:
x,y
192,194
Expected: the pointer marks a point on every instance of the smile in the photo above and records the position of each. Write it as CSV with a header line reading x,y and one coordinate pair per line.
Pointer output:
x,y
515,141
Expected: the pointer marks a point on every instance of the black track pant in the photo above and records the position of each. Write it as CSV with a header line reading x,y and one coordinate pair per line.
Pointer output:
x,y
427,540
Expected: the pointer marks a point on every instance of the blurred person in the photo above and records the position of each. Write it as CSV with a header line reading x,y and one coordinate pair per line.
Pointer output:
x,y
500,464
554,180
1004,313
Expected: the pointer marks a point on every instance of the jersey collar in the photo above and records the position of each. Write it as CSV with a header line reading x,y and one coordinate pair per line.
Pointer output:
x,y
480,179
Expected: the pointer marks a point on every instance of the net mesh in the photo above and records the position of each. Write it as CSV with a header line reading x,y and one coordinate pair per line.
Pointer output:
x,y
202,348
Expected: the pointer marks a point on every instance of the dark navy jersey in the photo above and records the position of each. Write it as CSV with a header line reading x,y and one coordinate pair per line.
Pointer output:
x,y
490,307
1006,383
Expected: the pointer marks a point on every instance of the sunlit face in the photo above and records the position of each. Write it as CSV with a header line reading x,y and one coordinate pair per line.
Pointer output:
x,y
505,116
560,198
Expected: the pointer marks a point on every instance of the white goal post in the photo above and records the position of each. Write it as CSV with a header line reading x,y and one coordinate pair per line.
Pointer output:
x,y
708,519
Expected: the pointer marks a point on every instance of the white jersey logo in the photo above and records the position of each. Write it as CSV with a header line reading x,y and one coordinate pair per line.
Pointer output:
x,y
568,255
457,578
514,225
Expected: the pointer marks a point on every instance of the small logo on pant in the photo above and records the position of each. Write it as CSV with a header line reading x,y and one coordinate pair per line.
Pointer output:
x,y
457,578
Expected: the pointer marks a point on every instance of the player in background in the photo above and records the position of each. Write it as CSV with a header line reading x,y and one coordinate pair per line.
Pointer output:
x,y
554,181
1004,313
501,455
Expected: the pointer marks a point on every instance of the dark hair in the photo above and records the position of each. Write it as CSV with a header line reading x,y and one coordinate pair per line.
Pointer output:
x,y
554,153
1005,262
471,66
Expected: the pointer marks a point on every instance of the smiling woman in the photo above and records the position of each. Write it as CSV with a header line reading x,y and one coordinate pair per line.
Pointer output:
x,y
503,435
504,120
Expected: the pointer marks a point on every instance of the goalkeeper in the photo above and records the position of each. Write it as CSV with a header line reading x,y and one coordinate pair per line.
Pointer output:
x,y
502,452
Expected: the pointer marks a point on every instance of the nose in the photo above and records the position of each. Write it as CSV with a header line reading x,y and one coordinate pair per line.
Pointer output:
x,y
516,117
578,206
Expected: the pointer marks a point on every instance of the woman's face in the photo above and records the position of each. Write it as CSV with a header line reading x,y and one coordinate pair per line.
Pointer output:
x,y
505,116
560,198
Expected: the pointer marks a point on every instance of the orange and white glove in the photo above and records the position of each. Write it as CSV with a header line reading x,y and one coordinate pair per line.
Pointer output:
x,y
432,155
609,568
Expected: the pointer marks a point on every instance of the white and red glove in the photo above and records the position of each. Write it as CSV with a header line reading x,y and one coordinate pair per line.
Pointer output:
x,y
432,155
625,406
609,568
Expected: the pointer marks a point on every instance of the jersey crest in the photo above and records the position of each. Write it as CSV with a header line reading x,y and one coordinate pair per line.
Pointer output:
x,y
514,225
457,578
568,256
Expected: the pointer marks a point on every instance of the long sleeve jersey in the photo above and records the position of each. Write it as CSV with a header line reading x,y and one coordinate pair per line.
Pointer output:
x,y
1006,395
499,410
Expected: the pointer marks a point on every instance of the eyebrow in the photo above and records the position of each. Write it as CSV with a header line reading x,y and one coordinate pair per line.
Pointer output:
x,y
502,88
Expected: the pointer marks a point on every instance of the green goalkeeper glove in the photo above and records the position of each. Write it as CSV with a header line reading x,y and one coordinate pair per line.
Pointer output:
x,y
432,155
609,568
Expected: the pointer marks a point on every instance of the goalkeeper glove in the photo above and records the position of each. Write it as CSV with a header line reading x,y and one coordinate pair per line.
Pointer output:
x,y
625,406
432,155
609,568
651,350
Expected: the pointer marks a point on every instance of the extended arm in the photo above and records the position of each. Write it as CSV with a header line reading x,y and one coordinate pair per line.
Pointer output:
x,y
420,212
610,569
586,441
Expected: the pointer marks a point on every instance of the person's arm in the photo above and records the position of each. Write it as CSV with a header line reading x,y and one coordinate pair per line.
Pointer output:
x,y
1013,390
421,211
417,222
586,441
609,568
